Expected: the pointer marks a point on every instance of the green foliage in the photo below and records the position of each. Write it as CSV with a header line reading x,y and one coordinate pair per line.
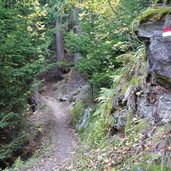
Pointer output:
x,y
17,142
97,64
109,54
149,163
77,112
22,33
128,122
72,39
99,123
142,124
132,73
134,70
101,39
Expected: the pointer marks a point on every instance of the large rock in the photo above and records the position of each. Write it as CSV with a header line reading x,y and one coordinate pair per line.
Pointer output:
x,y
144,108
158,48
155,111
164,107
119,119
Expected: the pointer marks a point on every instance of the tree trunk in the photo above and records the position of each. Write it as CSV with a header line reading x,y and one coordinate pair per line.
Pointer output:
x,y
59,45
77,30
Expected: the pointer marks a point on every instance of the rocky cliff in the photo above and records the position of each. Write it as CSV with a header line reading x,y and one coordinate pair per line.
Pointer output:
x,y
143,92
156,103
150,96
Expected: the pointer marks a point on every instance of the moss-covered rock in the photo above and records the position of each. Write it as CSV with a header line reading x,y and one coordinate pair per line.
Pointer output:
x,y
154,14
149,28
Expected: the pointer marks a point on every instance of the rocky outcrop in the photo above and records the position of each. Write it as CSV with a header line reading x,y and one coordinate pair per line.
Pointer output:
x,y
155,105
158,48
150,98
152,102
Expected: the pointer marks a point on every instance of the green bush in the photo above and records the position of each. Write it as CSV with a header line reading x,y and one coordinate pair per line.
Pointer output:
x,y
21,59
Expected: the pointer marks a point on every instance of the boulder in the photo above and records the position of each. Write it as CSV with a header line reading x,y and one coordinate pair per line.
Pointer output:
x,y
159,111
144,108
85,119
164,107
139,169
119,119
130,98
158,48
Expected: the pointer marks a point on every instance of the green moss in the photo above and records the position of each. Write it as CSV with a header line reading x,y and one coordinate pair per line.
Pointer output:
x,y
77,112
124,88
150,162
136,80
143,124
158,134
158,1
154,13
155,167
128,122
134,71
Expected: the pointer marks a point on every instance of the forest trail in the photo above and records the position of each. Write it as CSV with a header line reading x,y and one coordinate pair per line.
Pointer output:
x,y
63,137
62,133
53,117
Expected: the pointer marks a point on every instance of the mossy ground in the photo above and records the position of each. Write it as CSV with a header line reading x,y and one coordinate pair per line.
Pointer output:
x,y
124,152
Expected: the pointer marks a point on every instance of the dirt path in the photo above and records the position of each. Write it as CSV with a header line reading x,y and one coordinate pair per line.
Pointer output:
x,y
54,118
63,138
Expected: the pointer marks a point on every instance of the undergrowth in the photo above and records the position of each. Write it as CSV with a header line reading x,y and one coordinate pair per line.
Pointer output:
x,y
35,159
77,112
123,150
101,119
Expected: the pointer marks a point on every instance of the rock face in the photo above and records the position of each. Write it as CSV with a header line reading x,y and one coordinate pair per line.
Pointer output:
x,y
151,99
158,48
156,104
164,107
145,109
157,110
85,119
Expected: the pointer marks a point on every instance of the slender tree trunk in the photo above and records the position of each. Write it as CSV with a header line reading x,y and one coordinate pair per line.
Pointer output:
x,y
77,55
59,45
77,30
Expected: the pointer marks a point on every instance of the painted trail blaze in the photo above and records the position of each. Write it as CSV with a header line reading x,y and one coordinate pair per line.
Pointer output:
x,y
166,32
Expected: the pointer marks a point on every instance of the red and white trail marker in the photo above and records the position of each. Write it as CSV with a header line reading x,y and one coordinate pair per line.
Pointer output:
x,y
166,32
